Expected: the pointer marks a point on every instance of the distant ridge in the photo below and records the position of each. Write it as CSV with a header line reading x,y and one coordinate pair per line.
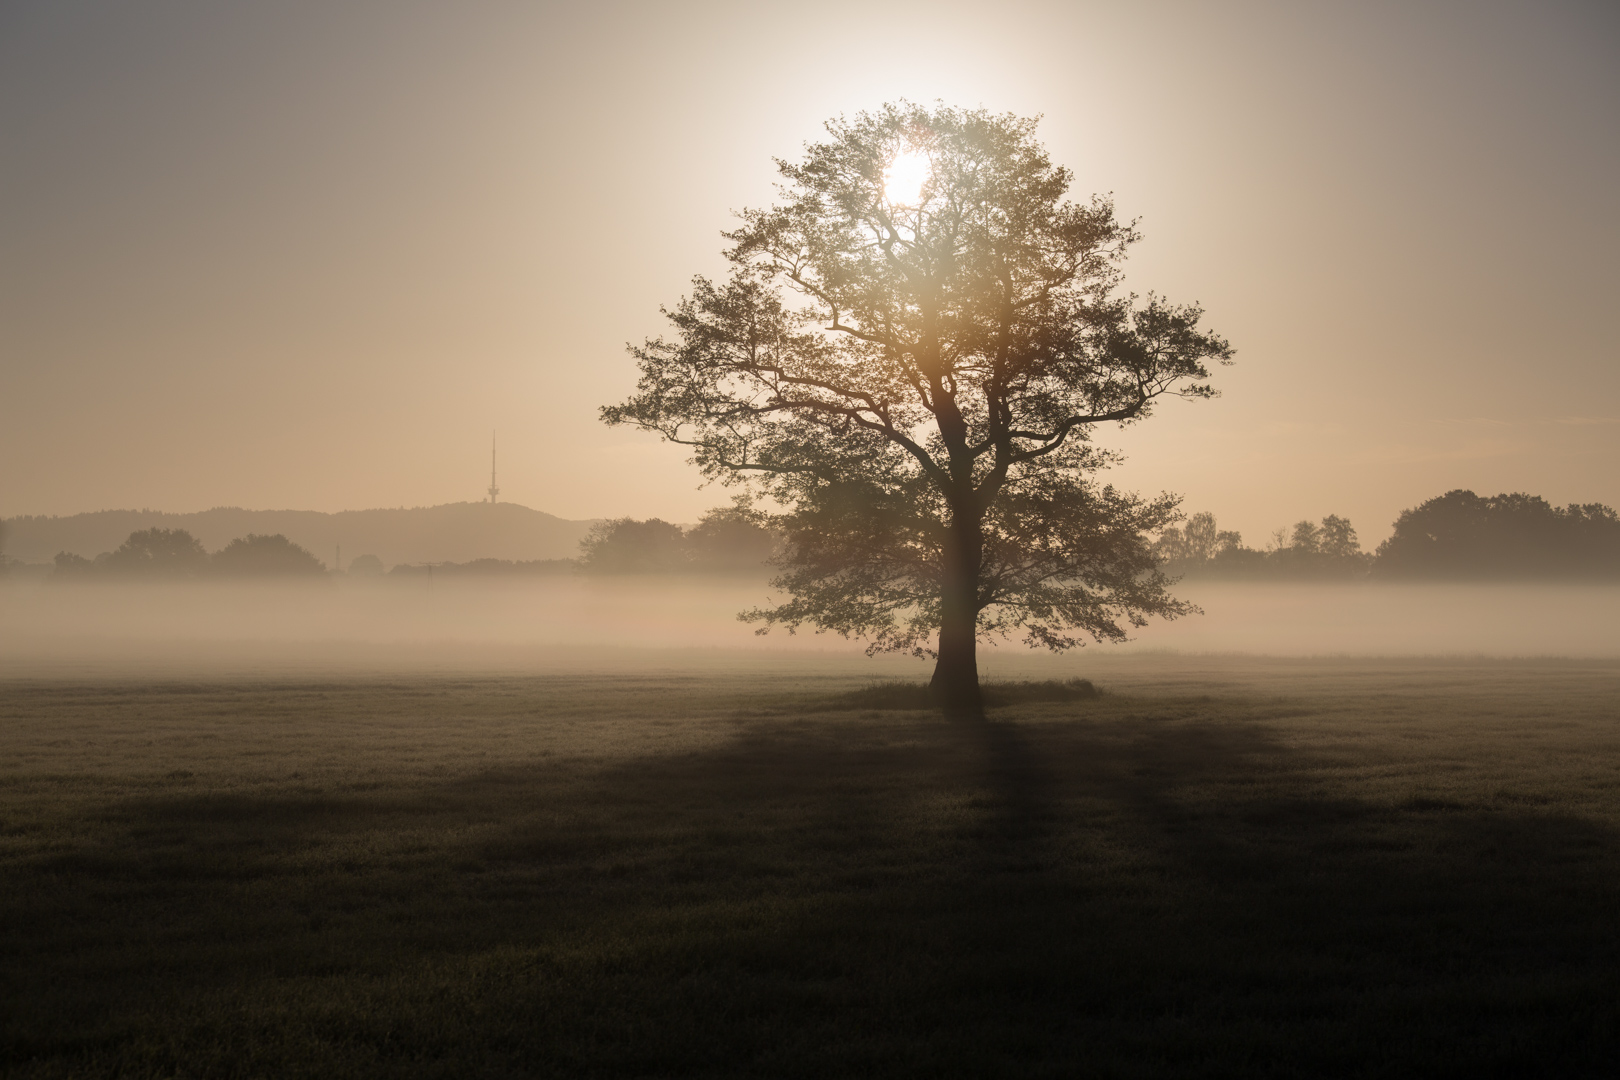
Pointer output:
x,y
454,532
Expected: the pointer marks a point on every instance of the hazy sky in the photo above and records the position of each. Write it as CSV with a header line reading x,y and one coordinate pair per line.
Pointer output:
x,y
307,255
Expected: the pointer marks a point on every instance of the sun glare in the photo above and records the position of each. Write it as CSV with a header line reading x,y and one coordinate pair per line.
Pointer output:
x,y
903,180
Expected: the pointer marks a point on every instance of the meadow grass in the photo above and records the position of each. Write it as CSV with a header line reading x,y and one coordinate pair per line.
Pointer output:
x,y
898,694
1233,869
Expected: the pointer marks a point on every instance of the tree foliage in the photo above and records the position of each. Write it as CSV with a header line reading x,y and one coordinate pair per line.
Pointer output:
x,y
255,555
1198,542
729,539
174,554
68,565
1464,535
913,377
365,566
1325,550
157,553
627,546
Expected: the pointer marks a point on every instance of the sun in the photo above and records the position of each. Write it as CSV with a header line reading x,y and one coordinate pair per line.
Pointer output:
x,y
903,180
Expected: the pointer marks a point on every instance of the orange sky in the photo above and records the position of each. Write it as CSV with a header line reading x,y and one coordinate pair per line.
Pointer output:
x,y
308,255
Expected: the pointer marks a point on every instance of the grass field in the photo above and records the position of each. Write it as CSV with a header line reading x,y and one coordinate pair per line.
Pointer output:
x,y
1216,868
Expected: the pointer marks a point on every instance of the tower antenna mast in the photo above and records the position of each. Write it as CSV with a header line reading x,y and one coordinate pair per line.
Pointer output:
x,y
493,490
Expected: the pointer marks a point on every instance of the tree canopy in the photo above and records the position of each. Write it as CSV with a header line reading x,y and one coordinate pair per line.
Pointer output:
x,y
729,539
1464,535
627,546
1329,551
158,553
365,566
176,554
255,555
909,357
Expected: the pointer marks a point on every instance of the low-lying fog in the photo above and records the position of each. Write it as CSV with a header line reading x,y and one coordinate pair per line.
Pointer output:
x,y
585,623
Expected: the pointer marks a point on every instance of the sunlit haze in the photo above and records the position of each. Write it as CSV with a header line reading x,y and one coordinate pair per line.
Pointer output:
x,y
307,255
904,179
1155,610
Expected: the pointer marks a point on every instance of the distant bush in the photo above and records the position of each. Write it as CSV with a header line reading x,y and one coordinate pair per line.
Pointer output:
x,y
484,568
266,556
365,566
69,565
1461,535
727,540
18,570
627,546
156,553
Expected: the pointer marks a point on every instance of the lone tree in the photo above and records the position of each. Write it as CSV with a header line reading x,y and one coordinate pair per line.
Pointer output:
x,y
908,357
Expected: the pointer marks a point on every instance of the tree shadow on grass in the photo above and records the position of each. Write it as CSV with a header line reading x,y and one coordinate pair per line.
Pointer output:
x,y
1107,895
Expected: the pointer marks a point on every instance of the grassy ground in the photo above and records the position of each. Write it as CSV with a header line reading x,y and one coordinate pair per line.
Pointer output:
x,y
1216,868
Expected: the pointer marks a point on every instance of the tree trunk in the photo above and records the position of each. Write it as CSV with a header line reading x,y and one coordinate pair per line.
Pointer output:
x,y
955,685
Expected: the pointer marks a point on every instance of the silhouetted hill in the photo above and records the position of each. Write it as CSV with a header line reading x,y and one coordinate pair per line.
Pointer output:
x,y
455,532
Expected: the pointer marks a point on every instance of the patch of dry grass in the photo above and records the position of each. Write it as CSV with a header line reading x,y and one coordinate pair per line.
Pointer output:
x,y
1258,869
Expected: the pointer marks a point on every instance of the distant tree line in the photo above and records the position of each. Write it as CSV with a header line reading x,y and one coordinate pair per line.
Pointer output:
x,y
725,540
1459,536
174,554
1323,551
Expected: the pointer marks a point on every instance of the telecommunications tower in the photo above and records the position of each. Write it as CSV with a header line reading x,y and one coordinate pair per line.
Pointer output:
x,y
493,490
